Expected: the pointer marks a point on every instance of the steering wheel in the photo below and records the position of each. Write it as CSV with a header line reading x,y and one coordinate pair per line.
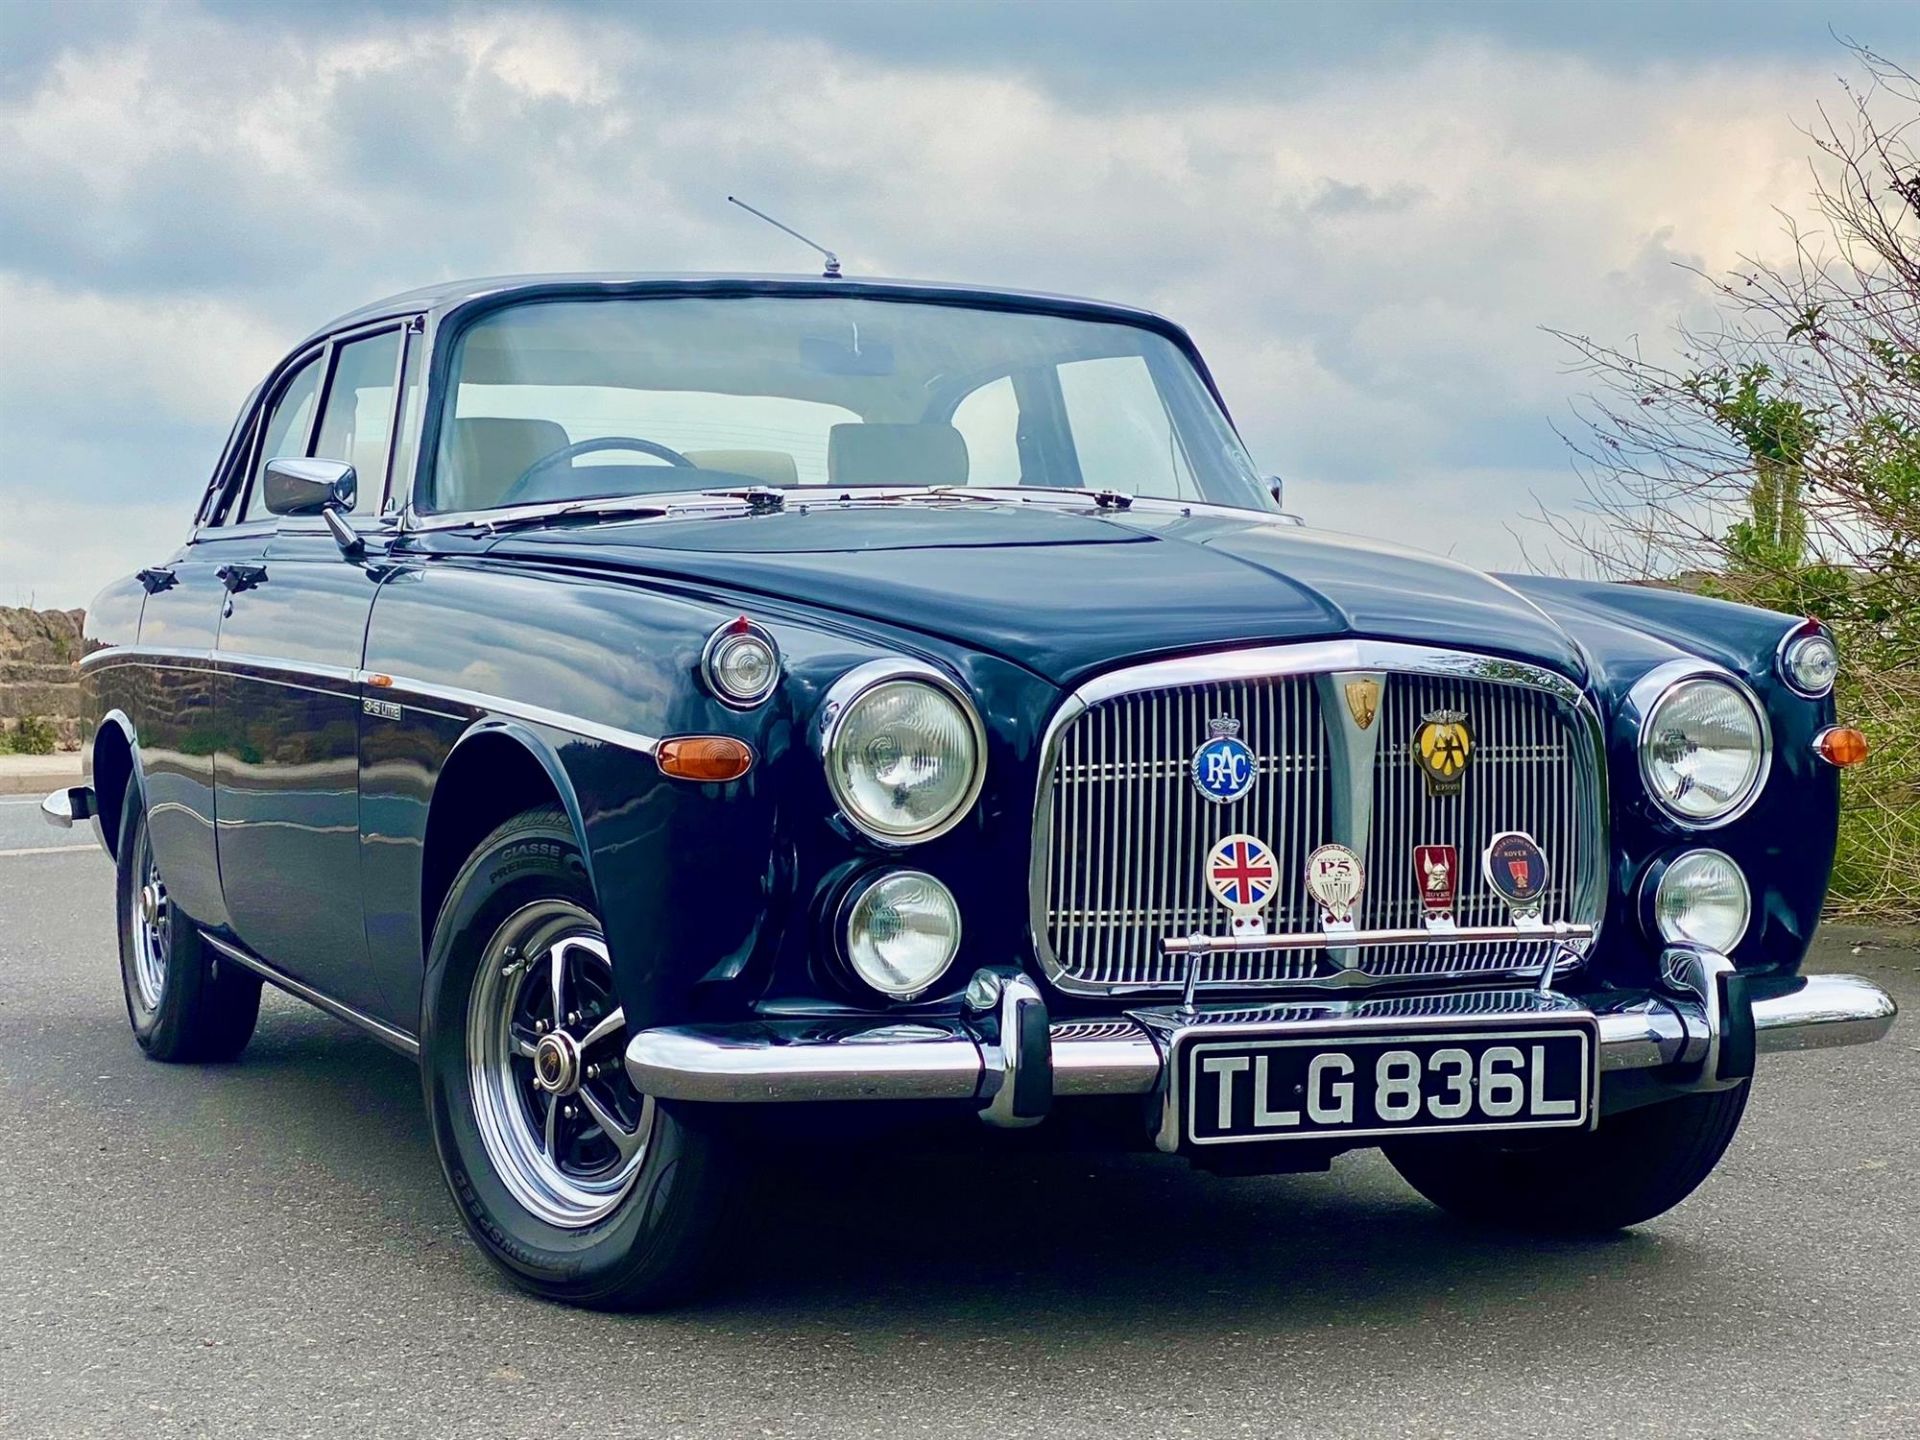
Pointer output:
x,y
524,484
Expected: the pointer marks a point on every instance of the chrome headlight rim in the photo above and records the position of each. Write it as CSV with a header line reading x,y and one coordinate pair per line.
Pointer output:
x,y
1652,691
1656,876
1807,632
850,900
839,701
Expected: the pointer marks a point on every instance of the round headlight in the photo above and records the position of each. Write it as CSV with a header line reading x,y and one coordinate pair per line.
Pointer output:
x,y
905,755
1810,663
903,931
1702,899
741,664
1703,750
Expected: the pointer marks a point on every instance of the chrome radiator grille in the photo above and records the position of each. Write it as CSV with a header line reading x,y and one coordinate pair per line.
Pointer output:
x,y
1123,831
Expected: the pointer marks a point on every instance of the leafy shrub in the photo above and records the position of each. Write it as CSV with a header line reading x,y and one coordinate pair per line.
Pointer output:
x,y
1776,460
34,735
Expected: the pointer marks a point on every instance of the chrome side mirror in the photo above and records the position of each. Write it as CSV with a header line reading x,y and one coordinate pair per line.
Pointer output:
x,y
1277,488
327,488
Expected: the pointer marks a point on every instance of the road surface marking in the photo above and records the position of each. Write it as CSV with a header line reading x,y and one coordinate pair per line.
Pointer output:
x,y
46,850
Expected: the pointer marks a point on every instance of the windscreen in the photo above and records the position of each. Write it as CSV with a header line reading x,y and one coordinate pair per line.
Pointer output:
x,y
583,399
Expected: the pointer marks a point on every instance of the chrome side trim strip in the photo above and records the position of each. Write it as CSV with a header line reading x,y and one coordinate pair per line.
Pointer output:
x,y
474,700
386,1034
518,710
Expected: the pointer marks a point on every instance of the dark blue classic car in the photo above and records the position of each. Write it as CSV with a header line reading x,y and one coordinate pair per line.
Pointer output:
x,y
675,707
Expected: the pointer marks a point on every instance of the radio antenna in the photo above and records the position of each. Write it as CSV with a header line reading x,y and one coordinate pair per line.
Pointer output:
x,y
832,271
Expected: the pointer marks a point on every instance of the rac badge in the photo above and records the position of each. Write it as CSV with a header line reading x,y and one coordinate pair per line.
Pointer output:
x,y
1335,879
1224,768
1516,871
1441,748
1436,871
1243,876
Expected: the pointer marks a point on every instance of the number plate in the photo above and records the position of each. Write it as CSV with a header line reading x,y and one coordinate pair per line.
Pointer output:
x,y
1318,1086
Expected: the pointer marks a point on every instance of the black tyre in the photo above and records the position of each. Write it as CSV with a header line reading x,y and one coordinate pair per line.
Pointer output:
x,y
577,1186
185,1003
1637,1165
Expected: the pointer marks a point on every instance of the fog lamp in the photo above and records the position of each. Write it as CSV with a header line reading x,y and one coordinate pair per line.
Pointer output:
x,y
902,932
1702,899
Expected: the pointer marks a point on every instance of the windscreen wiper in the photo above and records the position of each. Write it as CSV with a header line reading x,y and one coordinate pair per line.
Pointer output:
x,y
631,507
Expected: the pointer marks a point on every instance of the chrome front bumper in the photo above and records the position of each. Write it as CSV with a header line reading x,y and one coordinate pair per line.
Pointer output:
x,y
1014,1060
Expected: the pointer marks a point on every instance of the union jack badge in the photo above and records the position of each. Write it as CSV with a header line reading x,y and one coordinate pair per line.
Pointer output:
x,y
1335,878
1243,876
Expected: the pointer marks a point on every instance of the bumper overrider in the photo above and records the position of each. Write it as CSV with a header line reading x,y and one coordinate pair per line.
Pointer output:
x,y
1701,1031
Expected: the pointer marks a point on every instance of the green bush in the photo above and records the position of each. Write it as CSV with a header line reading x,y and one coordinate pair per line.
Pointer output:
x,y
34,735
1774,458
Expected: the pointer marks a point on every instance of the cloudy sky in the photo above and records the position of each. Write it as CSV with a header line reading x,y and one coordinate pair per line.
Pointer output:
x,y
1364,212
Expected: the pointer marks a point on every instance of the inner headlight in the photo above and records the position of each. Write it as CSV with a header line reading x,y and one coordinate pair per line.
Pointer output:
x,y
1702,898
1703,749
905,753
903,931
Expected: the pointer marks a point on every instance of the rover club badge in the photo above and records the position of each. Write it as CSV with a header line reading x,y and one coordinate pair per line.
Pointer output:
x,y
1335,879
1516,871
1442,746
1243,876
1224,767
1436,877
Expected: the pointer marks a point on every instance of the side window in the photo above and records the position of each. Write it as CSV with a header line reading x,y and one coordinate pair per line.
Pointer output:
x,y
1121,431
989,421
357,423
286,429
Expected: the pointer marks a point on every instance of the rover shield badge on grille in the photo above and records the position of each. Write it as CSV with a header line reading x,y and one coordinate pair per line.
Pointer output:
x,y
1516,871
1436,874
1335,878
1363,700
1224,767
1442,746
1243,876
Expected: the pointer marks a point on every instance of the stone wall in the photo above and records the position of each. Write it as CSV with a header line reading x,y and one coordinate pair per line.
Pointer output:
x,y
38,651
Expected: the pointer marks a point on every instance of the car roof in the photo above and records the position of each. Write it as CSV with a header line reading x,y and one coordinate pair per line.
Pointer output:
x,y
451,295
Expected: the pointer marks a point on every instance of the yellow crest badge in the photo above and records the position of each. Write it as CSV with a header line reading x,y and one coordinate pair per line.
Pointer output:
x,y
1442,746
1363,700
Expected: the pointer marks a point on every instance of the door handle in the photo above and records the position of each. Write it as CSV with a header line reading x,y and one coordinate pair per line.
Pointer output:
x,y
157,578
241,576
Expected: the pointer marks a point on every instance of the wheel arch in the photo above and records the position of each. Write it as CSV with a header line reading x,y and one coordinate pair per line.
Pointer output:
x,y
116,766
496,770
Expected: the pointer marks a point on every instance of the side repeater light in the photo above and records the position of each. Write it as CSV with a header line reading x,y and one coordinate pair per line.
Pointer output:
x,y
1840,745
740,664
704,757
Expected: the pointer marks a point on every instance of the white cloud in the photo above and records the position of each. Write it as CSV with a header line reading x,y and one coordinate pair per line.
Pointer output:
x,y
1366,254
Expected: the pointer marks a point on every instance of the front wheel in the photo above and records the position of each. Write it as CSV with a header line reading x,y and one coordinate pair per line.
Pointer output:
x,y
1637,1165
576,1185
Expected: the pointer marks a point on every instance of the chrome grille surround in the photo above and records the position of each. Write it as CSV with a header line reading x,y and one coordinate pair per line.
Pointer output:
x,y
1113,778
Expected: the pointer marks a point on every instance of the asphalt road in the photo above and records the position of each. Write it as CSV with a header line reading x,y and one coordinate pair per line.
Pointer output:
x,y
266,1249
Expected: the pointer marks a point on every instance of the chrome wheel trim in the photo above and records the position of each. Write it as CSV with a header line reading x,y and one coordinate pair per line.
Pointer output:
x,y
152,928
562,1125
